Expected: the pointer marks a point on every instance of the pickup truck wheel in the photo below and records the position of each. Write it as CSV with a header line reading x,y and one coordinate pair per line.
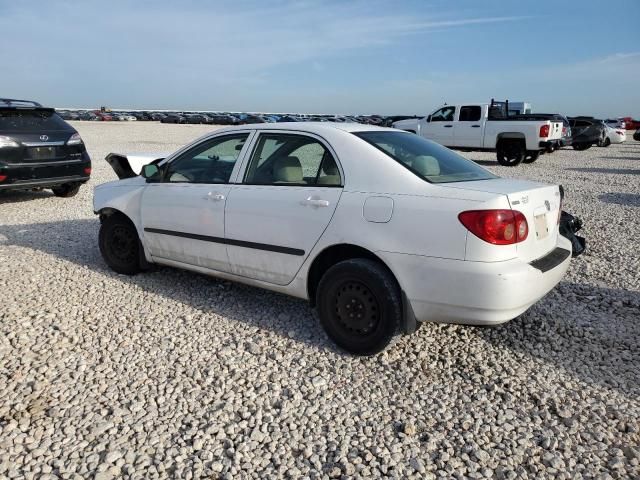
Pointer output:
x,y
67,190
510,153
531,157
359,305
119,244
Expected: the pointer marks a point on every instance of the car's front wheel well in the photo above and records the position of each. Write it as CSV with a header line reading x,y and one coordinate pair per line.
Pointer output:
x,y
329,257
108,212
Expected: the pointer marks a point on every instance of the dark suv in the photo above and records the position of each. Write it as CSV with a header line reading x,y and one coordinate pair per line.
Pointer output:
x,y
38,149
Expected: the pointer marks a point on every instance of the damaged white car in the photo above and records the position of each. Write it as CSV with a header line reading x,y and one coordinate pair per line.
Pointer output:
x,y
378,228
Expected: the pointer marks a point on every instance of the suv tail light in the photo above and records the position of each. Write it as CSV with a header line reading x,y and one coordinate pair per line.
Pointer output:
x,y
3,178
8,142
499,227
75,139
544,131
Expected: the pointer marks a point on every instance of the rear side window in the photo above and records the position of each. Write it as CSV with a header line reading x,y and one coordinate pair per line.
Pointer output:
x,y
428,160
296,160
31,120
470,113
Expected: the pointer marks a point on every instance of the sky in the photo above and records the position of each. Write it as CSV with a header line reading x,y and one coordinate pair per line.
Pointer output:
x,y
577,57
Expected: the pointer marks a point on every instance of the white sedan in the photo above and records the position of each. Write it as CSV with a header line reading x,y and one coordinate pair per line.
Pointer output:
x,y
378,228
613,135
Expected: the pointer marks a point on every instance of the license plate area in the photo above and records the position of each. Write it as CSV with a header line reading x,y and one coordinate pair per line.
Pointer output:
x,y
542,227
42,153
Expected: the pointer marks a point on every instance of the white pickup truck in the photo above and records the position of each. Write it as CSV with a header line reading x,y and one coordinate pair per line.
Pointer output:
x,y
490,126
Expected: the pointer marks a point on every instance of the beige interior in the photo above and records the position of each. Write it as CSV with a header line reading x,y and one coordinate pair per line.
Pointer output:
x,y
287,170
426,165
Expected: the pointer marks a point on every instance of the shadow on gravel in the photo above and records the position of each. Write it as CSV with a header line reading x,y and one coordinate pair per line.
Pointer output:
x,y
590,332
621,171
624,199
77,241
620,158
23,195
558,332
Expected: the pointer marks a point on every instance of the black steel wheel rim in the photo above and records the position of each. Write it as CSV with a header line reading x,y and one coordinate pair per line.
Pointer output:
x,y
356,308
123,244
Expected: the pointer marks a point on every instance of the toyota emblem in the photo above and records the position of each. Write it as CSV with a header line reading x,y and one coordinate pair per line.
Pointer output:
x,y
44,138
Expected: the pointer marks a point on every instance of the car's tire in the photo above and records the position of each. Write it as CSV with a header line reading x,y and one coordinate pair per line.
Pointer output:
x,y
531,156
581,146
120,245
67,190
510,152
606,142
367,290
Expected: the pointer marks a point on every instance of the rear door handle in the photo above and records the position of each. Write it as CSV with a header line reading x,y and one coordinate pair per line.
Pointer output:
x,y
448,126
475,126
315,202
216,197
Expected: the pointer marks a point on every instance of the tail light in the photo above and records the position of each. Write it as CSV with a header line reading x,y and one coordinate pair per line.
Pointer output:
x,y
499,227
75,139
3,178
87,171
619,132
8,142
564,131
544,131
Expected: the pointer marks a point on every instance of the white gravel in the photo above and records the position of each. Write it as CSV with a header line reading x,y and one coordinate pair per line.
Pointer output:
x,y
171,374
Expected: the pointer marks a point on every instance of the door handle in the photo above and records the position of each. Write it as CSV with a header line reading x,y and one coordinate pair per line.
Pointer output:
x,y
216,197
448,126
315,202
475,126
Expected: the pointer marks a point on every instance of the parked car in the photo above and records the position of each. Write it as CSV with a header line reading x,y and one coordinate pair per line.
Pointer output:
x,y
586,132
630,123
613,135
88,116
251,119
196,118
38,149
173,118
294,209
616,123
489,126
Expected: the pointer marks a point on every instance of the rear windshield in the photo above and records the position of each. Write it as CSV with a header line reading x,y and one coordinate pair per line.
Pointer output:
x,y
31,120
430,161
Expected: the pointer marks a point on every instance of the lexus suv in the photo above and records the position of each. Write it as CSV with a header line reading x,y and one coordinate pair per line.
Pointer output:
x,y
38,149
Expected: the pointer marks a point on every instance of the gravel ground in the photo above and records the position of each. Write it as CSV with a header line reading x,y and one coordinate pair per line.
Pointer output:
x,y
171,374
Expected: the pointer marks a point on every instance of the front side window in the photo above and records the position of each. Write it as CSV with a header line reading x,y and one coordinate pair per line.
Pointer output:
x,y
470,113
209,162
429,160
445,114
297,160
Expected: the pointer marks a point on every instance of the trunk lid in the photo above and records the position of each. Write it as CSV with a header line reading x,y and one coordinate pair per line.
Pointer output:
x,y
538,202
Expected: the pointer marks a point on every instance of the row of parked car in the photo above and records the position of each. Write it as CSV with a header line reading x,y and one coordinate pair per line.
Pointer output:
x,y
222,118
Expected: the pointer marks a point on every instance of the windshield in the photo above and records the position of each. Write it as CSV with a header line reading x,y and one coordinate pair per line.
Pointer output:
x,y
430,161
31,120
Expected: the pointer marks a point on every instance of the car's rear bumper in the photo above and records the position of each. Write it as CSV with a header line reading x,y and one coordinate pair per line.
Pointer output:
x,y
43,182
548,144
476,293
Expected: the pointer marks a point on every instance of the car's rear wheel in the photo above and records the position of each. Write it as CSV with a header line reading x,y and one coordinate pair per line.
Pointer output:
x,y
359,305
531,157
510,152
120,245
606,142
67,190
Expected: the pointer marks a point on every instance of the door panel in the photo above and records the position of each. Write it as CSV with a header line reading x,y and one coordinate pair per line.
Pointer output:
x,y
183,214
468,130
185,223
285,222
291,188
440,127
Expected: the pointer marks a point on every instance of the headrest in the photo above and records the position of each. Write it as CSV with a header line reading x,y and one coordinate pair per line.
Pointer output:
x,y
287,170
426,165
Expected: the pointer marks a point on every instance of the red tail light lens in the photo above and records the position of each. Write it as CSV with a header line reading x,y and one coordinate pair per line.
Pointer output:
x,y
544,131
499,227
3,178
87,171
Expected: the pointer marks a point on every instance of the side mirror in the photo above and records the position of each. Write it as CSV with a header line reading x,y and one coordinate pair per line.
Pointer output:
x,y
151,172
428,118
